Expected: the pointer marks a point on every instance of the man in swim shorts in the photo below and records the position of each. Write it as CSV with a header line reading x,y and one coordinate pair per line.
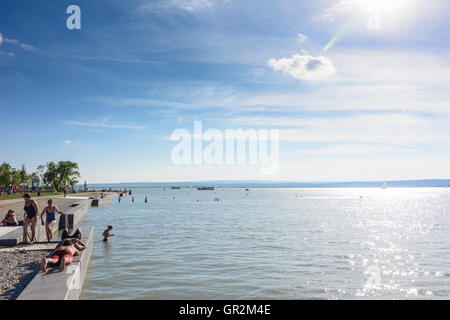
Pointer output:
x,y
63,254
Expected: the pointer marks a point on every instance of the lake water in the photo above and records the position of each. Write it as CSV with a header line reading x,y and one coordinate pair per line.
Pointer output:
x,y
353,243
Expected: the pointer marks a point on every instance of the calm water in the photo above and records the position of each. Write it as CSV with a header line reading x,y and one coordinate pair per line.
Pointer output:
x,y
273,244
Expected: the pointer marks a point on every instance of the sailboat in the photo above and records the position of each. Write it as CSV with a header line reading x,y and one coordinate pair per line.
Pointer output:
x,y
384,185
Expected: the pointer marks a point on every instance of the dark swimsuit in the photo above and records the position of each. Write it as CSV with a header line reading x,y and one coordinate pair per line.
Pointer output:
x,y
30,210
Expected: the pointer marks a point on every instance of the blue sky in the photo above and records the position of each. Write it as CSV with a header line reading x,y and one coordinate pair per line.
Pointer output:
x,y
372,104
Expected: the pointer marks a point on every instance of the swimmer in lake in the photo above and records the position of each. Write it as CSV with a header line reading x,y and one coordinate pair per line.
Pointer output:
x,y
107,234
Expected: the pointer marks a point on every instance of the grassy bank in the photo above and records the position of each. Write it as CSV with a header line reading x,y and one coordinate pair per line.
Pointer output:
x,y
33,194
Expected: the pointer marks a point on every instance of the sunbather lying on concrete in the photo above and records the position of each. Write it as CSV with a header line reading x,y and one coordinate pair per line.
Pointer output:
x,y
63,254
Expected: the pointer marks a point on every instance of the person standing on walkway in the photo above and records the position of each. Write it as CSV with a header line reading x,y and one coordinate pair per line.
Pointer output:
x,y
30,218
50,211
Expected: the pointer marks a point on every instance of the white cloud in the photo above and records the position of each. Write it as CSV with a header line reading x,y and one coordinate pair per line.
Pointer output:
x,y
304,67
1,38
68,141
369,80
302,38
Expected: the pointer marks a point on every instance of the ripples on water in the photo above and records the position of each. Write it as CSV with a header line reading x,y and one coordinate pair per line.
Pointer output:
x,y
273,244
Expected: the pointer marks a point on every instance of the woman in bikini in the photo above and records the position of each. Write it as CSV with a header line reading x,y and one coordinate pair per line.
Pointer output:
x,y
50,211
30,218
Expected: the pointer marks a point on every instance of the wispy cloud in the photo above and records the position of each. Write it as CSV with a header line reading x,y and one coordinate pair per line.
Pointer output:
x,y
187,96
301,38
338,8
304,67
22,45
189,6
121,60
103,124
375,128
356,149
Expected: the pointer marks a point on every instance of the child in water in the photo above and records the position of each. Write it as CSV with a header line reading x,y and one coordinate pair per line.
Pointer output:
x,y
106,233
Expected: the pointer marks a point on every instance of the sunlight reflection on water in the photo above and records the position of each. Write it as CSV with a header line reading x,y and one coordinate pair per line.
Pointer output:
x,y
273,244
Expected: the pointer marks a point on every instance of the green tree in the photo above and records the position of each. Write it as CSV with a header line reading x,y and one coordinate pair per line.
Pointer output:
x,y
61,173
5,175
35,179
40,170
15,177
24,177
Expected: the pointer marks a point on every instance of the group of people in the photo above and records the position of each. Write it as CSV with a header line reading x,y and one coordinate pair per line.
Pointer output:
x,y
67,248
31,216
132,198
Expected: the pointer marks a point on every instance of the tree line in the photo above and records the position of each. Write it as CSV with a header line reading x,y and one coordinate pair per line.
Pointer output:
x,y
52,175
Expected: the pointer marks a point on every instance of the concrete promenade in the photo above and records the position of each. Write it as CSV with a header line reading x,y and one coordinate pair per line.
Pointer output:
x,y
55,285
75,206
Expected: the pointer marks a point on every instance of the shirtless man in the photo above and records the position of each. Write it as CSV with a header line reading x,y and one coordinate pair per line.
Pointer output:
x,y
63,254
107,234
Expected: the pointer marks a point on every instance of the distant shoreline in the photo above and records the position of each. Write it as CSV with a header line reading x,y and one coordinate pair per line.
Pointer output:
x,y
431,183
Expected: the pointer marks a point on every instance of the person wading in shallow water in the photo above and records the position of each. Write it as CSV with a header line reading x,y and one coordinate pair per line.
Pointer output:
x,y
106,233
30,218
